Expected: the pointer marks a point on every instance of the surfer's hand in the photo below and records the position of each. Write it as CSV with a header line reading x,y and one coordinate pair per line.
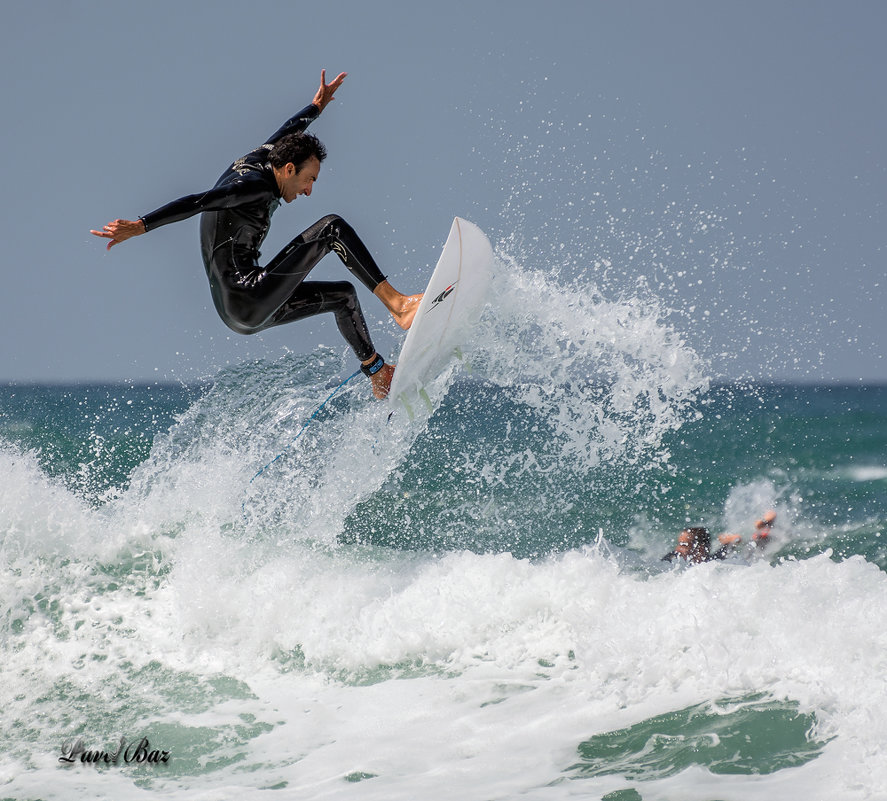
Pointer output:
x,y
327,91
120,230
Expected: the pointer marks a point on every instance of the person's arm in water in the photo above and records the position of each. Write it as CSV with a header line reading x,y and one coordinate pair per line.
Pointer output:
x,y
729,544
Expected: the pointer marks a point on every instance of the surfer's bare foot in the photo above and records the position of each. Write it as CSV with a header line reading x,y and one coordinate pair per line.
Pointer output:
x,y
403,308
409,307
381,381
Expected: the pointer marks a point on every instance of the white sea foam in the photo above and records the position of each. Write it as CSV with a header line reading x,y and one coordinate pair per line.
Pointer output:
x,y
866,473
464,674
229,622
38,512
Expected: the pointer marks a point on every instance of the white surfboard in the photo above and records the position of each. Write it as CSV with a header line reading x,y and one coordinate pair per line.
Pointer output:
x,y
449,309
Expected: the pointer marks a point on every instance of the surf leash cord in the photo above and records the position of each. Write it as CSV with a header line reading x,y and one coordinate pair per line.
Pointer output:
x,y
299,434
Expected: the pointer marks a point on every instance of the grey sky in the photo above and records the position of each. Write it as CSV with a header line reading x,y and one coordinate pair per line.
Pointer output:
x,y
573,133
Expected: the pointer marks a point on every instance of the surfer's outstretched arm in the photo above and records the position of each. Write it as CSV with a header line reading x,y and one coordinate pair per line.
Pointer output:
x,y
300,121
247,189
236,193
120,230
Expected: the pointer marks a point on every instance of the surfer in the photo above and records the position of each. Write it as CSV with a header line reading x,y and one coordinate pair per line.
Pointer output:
x,y
236,214
694,545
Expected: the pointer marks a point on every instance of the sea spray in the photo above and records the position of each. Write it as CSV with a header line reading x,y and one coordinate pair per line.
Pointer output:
x,y
412,600
265,655
569,399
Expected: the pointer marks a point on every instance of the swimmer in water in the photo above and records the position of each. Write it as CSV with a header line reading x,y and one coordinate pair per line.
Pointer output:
x,y
236,214
694,546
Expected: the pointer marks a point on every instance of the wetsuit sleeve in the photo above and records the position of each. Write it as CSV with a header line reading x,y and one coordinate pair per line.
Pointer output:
x,y
229,195
295,124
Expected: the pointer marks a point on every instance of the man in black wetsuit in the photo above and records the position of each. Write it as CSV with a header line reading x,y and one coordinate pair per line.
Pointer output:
x,y
236,214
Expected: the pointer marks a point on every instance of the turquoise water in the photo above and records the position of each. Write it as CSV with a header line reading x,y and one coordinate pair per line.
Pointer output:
x,y
471,604
732,735
819,448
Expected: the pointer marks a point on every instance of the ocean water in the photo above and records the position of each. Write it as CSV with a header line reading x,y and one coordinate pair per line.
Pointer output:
x,y
471,604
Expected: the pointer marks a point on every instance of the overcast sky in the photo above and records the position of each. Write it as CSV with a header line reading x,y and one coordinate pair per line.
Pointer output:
x,y
731,153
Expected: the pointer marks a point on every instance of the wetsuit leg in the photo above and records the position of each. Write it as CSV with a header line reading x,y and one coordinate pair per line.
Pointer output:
x,y
331,233
339,297
258,298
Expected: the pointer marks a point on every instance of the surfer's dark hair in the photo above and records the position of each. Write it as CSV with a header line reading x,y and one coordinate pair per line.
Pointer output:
x,y
701,538
296,149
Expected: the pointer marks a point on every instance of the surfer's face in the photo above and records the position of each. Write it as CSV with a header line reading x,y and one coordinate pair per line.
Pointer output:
x,y
293,182
685,543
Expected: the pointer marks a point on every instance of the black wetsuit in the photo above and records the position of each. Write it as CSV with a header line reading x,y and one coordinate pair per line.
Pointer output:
x,y
236,216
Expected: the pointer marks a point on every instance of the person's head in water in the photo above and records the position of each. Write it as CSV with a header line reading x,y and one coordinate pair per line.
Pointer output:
x,y
296,160
694,544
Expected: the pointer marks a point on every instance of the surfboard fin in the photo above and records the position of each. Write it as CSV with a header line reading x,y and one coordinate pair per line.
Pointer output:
x,y
406,405
461,357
